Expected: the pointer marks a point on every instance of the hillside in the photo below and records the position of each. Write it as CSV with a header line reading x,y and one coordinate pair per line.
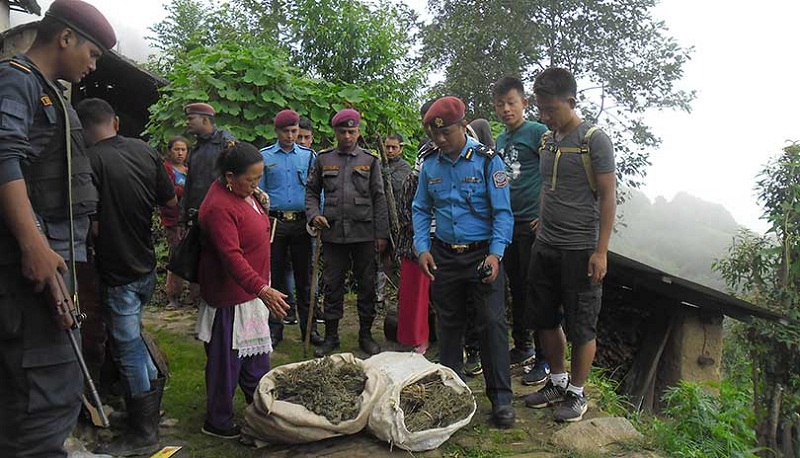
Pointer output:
x,y
682,236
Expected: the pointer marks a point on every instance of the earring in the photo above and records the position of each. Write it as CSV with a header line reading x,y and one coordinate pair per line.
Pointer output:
x,y
230,187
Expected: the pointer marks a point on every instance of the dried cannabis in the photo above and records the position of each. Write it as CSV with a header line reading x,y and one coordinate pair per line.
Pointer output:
x,y
428,403
327,389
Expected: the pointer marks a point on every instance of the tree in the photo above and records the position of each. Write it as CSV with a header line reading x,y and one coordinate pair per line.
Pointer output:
x,y
248,85
622,57
190,24
343,42
766,270
351,42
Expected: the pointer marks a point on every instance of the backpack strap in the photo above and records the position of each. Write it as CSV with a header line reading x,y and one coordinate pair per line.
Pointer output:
x,y
585,154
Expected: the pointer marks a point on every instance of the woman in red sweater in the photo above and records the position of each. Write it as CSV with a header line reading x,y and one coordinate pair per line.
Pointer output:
x,y
234,285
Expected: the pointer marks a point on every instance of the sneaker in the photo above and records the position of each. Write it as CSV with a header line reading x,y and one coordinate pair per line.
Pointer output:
x,y
290,319
520,357
229,433
472,366
537,374
549,395
572,408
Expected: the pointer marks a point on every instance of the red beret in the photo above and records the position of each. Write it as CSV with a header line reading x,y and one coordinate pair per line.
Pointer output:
x,y
86,20
287,118
444,112
346,118
199,108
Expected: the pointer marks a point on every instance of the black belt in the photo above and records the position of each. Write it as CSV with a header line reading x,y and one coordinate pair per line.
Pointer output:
x,y
288,216
461,248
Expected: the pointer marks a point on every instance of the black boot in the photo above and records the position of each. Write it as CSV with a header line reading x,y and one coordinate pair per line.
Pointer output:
x,y
331,342
141,437
118,419
316,339
365,340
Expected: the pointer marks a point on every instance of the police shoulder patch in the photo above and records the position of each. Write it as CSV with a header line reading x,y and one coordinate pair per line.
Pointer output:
x,y
425,153
500,179
485,151
19,66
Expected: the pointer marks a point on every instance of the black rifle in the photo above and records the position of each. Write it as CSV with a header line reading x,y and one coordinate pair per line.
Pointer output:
x,y
68,319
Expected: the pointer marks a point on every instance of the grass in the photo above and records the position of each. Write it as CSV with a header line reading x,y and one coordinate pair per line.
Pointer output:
x,y
185,397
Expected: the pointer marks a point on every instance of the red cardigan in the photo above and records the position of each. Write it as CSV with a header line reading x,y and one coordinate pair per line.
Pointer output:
x,y
234,261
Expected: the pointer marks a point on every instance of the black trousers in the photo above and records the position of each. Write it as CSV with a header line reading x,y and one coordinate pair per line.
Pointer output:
x,y
516,260
292,242
40,381
339,257
456,285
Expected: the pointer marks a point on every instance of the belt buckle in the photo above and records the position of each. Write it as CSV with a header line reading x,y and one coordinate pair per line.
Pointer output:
x,y
460,248
290,216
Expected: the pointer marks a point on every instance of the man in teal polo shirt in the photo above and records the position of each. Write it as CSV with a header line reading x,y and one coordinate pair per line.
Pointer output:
x,y
518,145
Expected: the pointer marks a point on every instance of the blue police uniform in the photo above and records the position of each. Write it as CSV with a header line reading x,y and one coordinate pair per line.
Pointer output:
x,y
469,198
284,180
41,383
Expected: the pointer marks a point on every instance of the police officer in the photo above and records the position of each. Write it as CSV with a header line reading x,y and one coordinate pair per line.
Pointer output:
x,y
464,185
286,166
40,380
203,157
355,224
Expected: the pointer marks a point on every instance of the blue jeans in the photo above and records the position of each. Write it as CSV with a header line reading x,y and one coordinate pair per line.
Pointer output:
x,y
123,313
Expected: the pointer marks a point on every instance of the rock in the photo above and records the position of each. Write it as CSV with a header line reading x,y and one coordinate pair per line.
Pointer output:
x,y
169,422
76,449
595,434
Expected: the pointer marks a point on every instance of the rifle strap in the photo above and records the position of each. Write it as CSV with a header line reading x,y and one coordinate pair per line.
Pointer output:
x,y
73,264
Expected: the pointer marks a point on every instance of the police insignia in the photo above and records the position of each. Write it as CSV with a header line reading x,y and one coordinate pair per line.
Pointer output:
x,y
500,179
330,167
434,181
439,122
351,123
46,102
363,168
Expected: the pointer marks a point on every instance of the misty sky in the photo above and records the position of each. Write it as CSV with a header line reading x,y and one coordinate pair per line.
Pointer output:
x,y
744,69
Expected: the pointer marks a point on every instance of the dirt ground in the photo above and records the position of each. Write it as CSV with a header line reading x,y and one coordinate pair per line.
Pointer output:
x,y
528,438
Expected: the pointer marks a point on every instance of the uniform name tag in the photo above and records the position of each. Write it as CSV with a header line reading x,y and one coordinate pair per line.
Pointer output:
x,y
330,167
269,166
471,180
434,181
46,102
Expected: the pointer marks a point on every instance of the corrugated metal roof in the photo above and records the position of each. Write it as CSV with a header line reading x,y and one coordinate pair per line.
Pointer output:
x,y
634,274
25,6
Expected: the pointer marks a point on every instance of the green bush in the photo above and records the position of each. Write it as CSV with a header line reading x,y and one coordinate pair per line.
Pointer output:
x,y
248,85
698,424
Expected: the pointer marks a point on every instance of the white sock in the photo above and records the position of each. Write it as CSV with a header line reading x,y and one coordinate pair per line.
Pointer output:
x,y
575,389
560,380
